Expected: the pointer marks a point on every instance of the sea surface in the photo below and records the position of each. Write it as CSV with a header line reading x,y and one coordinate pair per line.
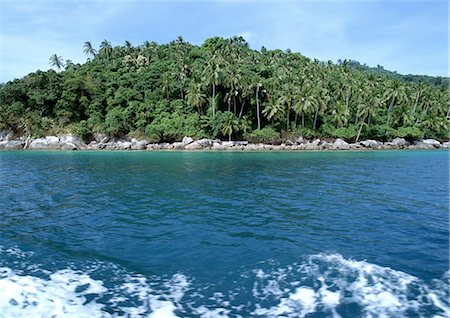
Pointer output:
x,y
223,234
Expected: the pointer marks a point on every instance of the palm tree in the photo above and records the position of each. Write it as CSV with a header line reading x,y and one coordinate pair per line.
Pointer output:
x,y
258,86
273,109
128,46
230,124
106,48
89,50
56,61
166,84
366,111
339,115
213,74
196,97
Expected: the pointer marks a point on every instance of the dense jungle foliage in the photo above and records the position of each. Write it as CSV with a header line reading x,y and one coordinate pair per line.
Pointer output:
x,y
222,89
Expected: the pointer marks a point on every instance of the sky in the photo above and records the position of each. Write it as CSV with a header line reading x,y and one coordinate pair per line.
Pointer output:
x,y
410,37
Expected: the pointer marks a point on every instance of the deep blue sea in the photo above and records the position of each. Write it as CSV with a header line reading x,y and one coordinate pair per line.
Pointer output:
x,y
224,234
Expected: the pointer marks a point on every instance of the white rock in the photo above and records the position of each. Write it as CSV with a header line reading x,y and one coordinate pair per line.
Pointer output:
x,y
123,145
340,144
177,145
421,145
138,144
228,144
49,142
217,146
187,140
11,144
193,146
398,142
446,144
370,143
6,135
205,142
432,142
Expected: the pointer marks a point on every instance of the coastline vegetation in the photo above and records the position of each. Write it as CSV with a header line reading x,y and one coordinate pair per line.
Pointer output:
x,y
222,89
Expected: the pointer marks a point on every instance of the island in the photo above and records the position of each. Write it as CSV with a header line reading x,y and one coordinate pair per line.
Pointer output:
x,y
221,95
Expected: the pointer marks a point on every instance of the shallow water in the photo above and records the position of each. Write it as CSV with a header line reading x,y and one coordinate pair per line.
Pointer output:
x,y
164,234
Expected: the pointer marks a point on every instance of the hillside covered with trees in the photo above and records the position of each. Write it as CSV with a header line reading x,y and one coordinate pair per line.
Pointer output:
x,y
222,89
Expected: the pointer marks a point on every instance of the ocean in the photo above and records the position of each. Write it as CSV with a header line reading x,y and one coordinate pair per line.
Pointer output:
x,y
224,234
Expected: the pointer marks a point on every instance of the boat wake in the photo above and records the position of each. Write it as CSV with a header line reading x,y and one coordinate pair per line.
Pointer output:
x,y
324,284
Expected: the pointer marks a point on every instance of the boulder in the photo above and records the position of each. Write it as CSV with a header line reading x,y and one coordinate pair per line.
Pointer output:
x,y
166,146
217,146
177,145
205,143
370,143
68,146
421,145
93,145
433,142
313,145
47,143
187,140
355,145
138,144
12,144
340,144
71,140
6,135
101,138
401,142
445,145
153,147
193,146
123,145
326,145
301,140
228,144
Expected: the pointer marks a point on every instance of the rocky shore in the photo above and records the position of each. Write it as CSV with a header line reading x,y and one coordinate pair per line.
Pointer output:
x,y
102,142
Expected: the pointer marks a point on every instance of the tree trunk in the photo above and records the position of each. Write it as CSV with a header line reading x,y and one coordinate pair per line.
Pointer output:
x,y
287,119
27,141
415,104
391,105
214,100
448,111
242,108
303,119
346,101
315,118
359,132
257,108
229,137
234,104
424,112
368,120
295,119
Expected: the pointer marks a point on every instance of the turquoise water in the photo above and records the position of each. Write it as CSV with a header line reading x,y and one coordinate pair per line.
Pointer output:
x,y
189,234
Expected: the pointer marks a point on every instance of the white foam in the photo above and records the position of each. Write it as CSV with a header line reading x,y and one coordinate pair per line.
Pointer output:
x,y
323,283
29,296
378,291
65,293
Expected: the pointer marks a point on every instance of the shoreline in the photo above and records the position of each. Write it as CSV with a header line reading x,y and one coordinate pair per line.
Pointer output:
x,y
103,142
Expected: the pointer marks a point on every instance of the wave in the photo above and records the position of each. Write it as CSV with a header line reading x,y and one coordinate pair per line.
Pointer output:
x,y
324,284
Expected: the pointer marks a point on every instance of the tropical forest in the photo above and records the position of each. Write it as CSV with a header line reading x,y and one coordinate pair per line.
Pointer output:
x,y
222,89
